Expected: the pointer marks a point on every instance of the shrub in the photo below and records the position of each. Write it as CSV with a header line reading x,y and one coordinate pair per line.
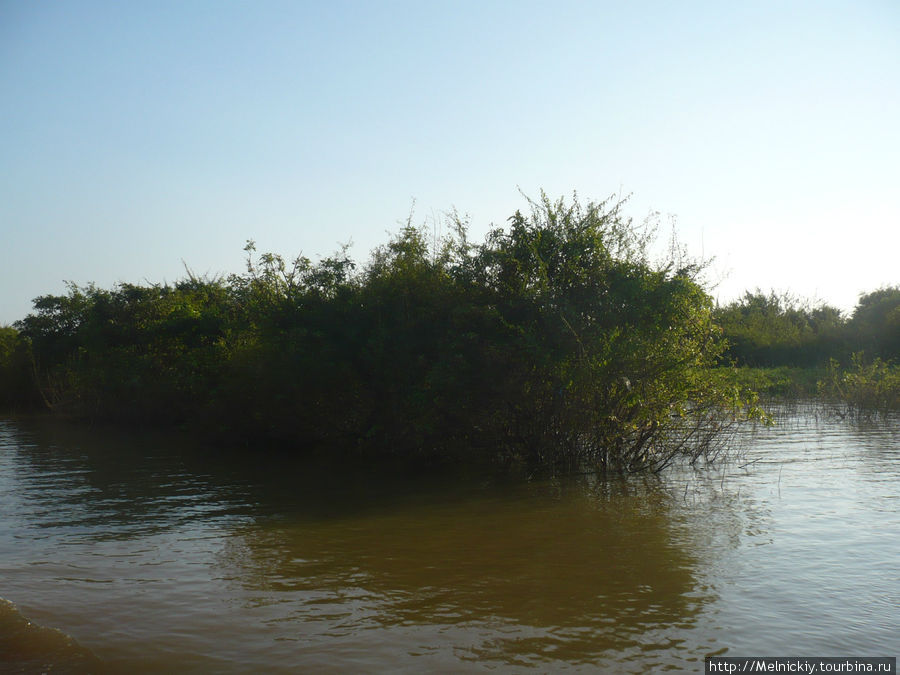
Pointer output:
x,y
555,341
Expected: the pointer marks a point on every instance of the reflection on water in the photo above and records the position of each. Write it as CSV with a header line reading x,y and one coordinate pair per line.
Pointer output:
x,y
153,553
561,571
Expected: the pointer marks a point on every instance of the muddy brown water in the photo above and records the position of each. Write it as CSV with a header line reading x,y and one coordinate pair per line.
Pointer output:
x,y
142,554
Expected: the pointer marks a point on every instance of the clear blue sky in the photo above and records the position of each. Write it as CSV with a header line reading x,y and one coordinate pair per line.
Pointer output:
x,y
135,135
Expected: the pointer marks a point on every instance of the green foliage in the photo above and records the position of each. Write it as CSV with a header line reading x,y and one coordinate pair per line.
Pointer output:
x,y
131,353
606,352
778,330
781,381
875,323
554,341
16,382
865,387
795,349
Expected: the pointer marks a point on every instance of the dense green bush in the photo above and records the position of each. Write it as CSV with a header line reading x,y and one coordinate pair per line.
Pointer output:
x,y
865,387
16,377
556,341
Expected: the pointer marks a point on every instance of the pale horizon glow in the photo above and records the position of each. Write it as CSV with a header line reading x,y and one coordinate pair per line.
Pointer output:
x,y
136,138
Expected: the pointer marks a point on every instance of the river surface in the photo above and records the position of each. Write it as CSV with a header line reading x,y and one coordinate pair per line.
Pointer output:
x,y
143,554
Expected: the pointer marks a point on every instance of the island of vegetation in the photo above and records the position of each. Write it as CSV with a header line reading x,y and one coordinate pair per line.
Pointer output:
x,y
558,341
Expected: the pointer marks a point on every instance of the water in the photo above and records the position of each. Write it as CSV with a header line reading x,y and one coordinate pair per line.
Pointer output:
x,y
153,556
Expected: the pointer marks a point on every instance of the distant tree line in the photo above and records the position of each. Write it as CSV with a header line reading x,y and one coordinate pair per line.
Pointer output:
x,y
770,330
555,340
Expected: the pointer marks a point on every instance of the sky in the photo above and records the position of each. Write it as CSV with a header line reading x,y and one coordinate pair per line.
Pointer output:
x,y
138,138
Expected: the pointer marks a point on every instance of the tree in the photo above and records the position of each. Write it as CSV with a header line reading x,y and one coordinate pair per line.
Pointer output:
x,y
876,323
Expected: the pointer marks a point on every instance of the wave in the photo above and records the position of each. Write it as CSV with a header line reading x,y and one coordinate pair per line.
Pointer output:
x,y
27,647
